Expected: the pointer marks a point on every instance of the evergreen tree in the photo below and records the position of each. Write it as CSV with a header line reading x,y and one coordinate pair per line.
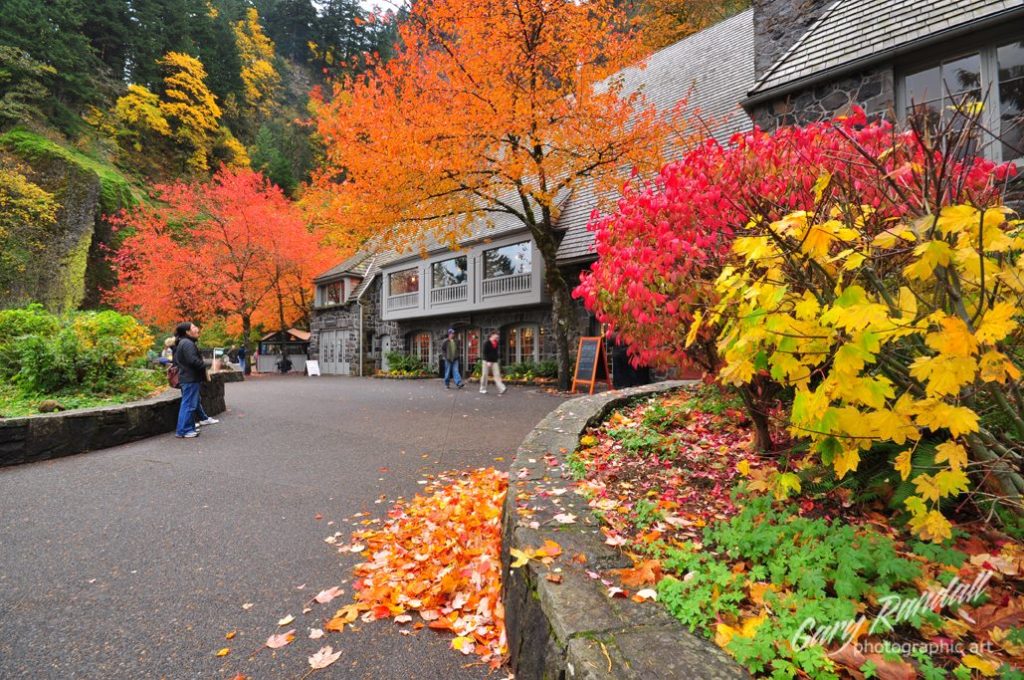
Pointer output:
x,y
291,24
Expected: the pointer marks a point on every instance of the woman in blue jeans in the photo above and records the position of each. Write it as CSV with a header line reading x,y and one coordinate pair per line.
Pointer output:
x,y
191,374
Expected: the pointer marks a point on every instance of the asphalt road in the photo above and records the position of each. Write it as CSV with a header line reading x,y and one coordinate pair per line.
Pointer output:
x,y
135,561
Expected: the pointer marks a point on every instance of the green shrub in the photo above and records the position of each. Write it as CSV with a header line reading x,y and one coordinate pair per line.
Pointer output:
x,y
404,363
83,352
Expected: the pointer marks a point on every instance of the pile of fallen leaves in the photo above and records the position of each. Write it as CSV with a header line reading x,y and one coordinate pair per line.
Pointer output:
x,y
435,563
670,489
653,492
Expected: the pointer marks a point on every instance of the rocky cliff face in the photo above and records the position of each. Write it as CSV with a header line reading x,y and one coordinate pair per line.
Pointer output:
x,y
72,269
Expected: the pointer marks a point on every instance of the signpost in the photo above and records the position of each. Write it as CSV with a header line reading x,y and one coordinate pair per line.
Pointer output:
x,y
312,367
591,364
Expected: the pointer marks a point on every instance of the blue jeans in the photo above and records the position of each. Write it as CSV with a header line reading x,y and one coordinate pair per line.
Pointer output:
x,y
187,410
451,370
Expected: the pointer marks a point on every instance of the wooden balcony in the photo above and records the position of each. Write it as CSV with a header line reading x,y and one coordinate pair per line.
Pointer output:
x,y
449,294
506,285
405,301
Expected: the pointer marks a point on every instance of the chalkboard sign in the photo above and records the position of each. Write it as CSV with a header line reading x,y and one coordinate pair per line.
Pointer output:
x,y
591,364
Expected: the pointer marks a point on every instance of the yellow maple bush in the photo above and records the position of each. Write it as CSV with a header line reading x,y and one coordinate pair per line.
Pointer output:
x,y
887,330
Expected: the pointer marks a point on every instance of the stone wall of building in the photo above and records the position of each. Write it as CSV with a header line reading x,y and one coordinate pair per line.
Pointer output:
x,y
778,24
873,90
346,318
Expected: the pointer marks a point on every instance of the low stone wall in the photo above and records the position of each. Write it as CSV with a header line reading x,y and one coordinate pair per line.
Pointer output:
x,y
52,435
572,629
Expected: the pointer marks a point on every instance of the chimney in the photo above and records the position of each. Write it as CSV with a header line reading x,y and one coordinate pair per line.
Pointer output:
x,y
778,24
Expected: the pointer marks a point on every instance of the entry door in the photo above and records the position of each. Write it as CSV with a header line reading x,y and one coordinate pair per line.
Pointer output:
x,y
385,347
328,352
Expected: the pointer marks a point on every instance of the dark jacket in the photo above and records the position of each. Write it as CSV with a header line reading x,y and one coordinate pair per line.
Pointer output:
x,y
444,349
491,353
191,367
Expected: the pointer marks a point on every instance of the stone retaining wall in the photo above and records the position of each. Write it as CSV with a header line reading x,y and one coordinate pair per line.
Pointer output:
x,y
572,629
52,435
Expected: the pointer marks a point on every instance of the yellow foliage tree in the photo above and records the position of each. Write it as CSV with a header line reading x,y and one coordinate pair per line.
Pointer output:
x,y
190,108
259,77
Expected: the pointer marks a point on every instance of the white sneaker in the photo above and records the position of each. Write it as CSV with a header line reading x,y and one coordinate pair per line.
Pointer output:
x,y
483,391
503,390
209,421
188,435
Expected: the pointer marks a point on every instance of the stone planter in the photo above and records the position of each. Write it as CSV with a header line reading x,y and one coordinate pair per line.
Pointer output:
x,y
52,435
572,629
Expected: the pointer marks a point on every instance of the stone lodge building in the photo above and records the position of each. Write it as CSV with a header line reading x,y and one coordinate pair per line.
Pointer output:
x,y
782,62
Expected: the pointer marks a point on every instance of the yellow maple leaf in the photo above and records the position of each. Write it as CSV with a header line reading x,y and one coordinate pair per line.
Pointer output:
x,y
944,374
952,453
984,666
691,335
223,651
784,485
927,487
996,367
935,415
957,218
903,464
932,526
931,254
955,338
951,482
845,461
743,467
997,323
521,557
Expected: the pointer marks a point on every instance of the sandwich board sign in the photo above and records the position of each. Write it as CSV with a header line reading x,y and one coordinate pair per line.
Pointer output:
x,y
312,367
591,364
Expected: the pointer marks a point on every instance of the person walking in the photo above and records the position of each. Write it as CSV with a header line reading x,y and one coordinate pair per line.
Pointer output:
x,y
491,358
191,374
241,358
451,351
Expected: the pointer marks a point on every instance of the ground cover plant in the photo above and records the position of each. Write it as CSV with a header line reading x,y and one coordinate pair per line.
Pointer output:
x,y
677,484
75,360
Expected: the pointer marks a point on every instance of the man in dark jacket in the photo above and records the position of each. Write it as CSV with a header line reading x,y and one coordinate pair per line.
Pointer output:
x,y
492,354
450,353
191,374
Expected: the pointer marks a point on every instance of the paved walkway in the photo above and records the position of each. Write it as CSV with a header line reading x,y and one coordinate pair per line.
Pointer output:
x,y
134,562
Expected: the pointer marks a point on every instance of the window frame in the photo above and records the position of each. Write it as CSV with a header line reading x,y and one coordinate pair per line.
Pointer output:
x,y
512,347
990,147
324,296
414,340
436,263
483,260
415,276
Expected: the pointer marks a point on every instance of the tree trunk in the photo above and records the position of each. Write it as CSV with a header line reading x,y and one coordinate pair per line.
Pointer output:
x,y
246,330
563,318
759,419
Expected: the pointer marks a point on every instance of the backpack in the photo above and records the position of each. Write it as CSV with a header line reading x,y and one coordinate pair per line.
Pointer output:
x,y
172,376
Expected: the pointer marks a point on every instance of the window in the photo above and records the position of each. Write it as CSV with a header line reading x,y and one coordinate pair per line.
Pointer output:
x,y
471,347
420,346
1010,63
332,293
995,74
508,260
403,282
521,344
448,272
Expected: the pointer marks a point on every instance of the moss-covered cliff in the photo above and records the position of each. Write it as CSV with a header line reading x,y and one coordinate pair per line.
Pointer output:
x,y
72,269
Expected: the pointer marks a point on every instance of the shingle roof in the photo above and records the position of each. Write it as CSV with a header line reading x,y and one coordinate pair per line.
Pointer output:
x,y
854,33
718,63
355,265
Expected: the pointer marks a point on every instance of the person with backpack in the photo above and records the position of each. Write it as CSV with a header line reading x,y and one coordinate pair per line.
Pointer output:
x,y
191,375
450,353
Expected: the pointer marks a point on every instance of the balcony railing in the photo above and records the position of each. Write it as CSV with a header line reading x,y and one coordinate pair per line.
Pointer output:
x,y
443,296
507,285
405,301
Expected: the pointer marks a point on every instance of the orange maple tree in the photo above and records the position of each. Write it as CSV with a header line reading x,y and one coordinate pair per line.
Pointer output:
x,y
234,246
491,108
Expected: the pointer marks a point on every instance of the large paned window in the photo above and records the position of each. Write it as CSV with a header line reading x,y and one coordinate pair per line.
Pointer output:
x,y
332,293
450,272
508,260
942,93
420,346
403,282
522,344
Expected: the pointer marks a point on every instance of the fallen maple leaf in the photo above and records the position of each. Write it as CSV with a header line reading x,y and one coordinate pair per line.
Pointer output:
x,y
286,620
278,641
325,596
324,658
554,578
223,652
229,636
646,594
315,633
565,518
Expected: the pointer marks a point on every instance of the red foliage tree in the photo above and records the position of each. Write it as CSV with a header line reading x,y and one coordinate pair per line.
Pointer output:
x,y
660,253
234,246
